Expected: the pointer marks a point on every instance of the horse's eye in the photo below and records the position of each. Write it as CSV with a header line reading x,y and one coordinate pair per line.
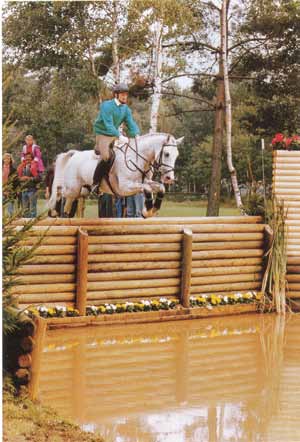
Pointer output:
x,y
167,154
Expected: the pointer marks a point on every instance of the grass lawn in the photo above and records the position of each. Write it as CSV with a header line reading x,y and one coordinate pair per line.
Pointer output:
x,y
169,208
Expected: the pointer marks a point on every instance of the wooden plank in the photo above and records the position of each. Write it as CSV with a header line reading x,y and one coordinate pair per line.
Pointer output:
x,y
210,271
144,222
218,279
82,271
139,239
44,278
144,265
44,269
132,293
135,284
125,257
42,298
229,287
132,248
237,245
44,288
226,262
133,275
39,337
213,254
187,247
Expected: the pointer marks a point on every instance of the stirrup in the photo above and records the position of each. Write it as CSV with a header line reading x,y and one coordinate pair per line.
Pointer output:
x,y
95,189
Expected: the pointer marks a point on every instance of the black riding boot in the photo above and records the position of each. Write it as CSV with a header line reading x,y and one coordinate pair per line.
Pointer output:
x,y
101,171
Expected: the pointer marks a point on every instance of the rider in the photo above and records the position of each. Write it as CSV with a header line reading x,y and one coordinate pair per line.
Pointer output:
x,y
110,117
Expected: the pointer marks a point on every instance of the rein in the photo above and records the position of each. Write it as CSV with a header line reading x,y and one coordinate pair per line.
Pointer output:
x,y
153,167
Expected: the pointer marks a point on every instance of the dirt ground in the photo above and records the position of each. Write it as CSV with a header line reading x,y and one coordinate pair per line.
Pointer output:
x,y
24,420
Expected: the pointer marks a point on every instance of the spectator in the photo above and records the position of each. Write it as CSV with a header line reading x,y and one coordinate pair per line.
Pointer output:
x,y
105,206
135,204
9,177
29,176
35,150
119,206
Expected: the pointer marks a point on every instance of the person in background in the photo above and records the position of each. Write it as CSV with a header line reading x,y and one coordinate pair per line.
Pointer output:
x,y
9,177
135,204
29,177
31,147
120,206
105,206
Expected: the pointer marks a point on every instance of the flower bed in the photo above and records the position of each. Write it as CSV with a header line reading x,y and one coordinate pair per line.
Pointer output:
x,y
208,301
282,142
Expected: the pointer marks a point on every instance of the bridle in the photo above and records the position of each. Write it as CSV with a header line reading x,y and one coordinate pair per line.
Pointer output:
x,y
155,166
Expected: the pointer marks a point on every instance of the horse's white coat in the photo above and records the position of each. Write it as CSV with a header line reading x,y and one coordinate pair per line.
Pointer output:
x,y
76,168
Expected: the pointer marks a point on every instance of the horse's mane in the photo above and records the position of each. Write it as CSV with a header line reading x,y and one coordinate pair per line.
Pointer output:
x,y
153,134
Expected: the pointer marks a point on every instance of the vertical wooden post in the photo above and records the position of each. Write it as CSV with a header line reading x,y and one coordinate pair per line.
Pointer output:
x,y
36,356
82,271
186,267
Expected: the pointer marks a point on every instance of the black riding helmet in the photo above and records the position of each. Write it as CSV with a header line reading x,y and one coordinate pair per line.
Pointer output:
x,y
121,87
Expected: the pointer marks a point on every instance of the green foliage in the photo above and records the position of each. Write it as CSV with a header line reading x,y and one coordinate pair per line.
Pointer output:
x,y
15,255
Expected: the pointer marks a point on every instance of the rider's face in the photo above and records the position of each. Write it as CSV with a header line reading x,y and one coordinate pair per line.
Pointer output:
x,y
123,97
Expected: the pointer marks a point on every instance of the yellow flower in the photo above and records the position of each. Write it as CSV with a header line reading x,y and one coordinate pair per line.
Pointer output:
x,y
102,309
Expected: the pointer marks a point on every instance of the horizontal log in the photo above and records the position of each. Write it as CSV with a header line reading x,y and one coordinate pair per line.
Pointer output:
x,y
147,283
42,298
227,254
294,294
237,245
131,293
49,304
54,250
51,240
50,231
144,265
293,278
133,275
25,361
287,164
293,269
46,269
282,178
131,248
229,287
123,257
211,271
218,279
293,286
286,191
44,288
138,221
212,263
292,260
200,237
286,153
53,259
163,229
287,184
47,278
139,239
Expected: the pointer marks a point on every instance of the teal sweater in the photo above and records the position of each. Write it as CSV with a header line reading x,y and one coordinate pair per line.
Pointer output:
x,y
111,116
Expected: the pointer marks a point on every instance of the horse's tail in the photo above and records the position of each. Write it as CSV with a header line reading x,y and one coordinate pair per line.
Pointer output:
x,y
58,181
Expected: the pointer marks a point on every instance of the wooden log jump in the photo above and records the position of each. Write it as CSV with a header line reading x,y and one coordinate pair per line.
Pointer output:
x,y
93,261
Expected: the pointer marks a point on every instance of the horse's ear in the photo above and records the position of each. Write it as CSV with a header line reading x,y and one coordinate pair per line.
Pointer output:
x,y
179,140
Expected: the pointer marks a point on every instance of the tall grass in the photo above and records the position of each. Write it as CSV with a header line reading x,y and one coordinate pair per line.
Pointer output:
x,y
274,281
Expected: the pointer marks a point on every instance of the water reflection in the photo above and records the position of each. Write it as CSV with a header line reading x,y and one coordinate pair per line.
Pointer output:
x,y
214,380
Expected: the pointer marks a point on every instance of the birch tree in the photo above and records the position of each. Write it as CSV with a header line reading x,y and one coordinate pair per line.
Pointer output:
x,y
228,113
156,74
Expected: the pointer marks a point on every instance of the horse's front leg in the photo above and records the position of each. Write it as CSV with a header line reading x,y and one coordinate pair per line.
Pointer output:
x,y
68,208
160,191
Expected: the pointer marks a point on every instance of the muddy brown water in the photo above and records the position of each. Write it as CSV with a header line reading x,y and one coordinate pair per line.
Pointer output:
x,y
211,380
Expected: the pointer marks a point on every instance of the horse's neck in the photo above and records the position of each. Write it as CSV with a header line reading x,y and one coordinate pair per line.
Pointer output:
x,y
150,146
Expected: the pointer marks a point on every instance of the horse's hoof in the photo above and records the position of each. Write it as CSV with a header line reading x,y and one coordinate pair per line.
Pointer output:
x,y
147,213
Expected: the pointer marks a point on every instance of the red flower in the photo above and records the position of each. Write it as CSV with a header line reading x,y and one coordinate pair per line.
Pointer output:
x,y
296,138
278,138
288,142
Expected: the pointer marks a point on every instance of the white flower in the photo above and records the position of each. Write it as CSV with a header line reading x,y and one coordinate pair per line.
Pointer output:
x,y
42,309
163,300
225,298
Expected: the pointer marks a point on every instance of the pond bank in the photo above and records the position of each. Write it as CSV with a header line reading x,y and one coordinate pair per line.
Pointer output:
x,y
24,420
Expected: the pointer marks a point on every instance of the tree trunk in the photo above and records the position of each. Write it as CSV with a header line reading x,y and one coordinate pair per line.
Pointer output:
x,y
213,205
157,72
228,114
115,44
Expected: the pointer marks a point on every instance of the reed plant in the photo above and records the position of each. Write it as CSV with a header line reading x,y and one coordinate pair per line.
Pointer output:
x,y
274,281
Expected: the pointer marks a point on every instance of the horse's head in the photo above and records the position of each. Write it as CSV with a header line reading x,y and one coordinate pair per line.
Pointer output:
x,y
167,158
